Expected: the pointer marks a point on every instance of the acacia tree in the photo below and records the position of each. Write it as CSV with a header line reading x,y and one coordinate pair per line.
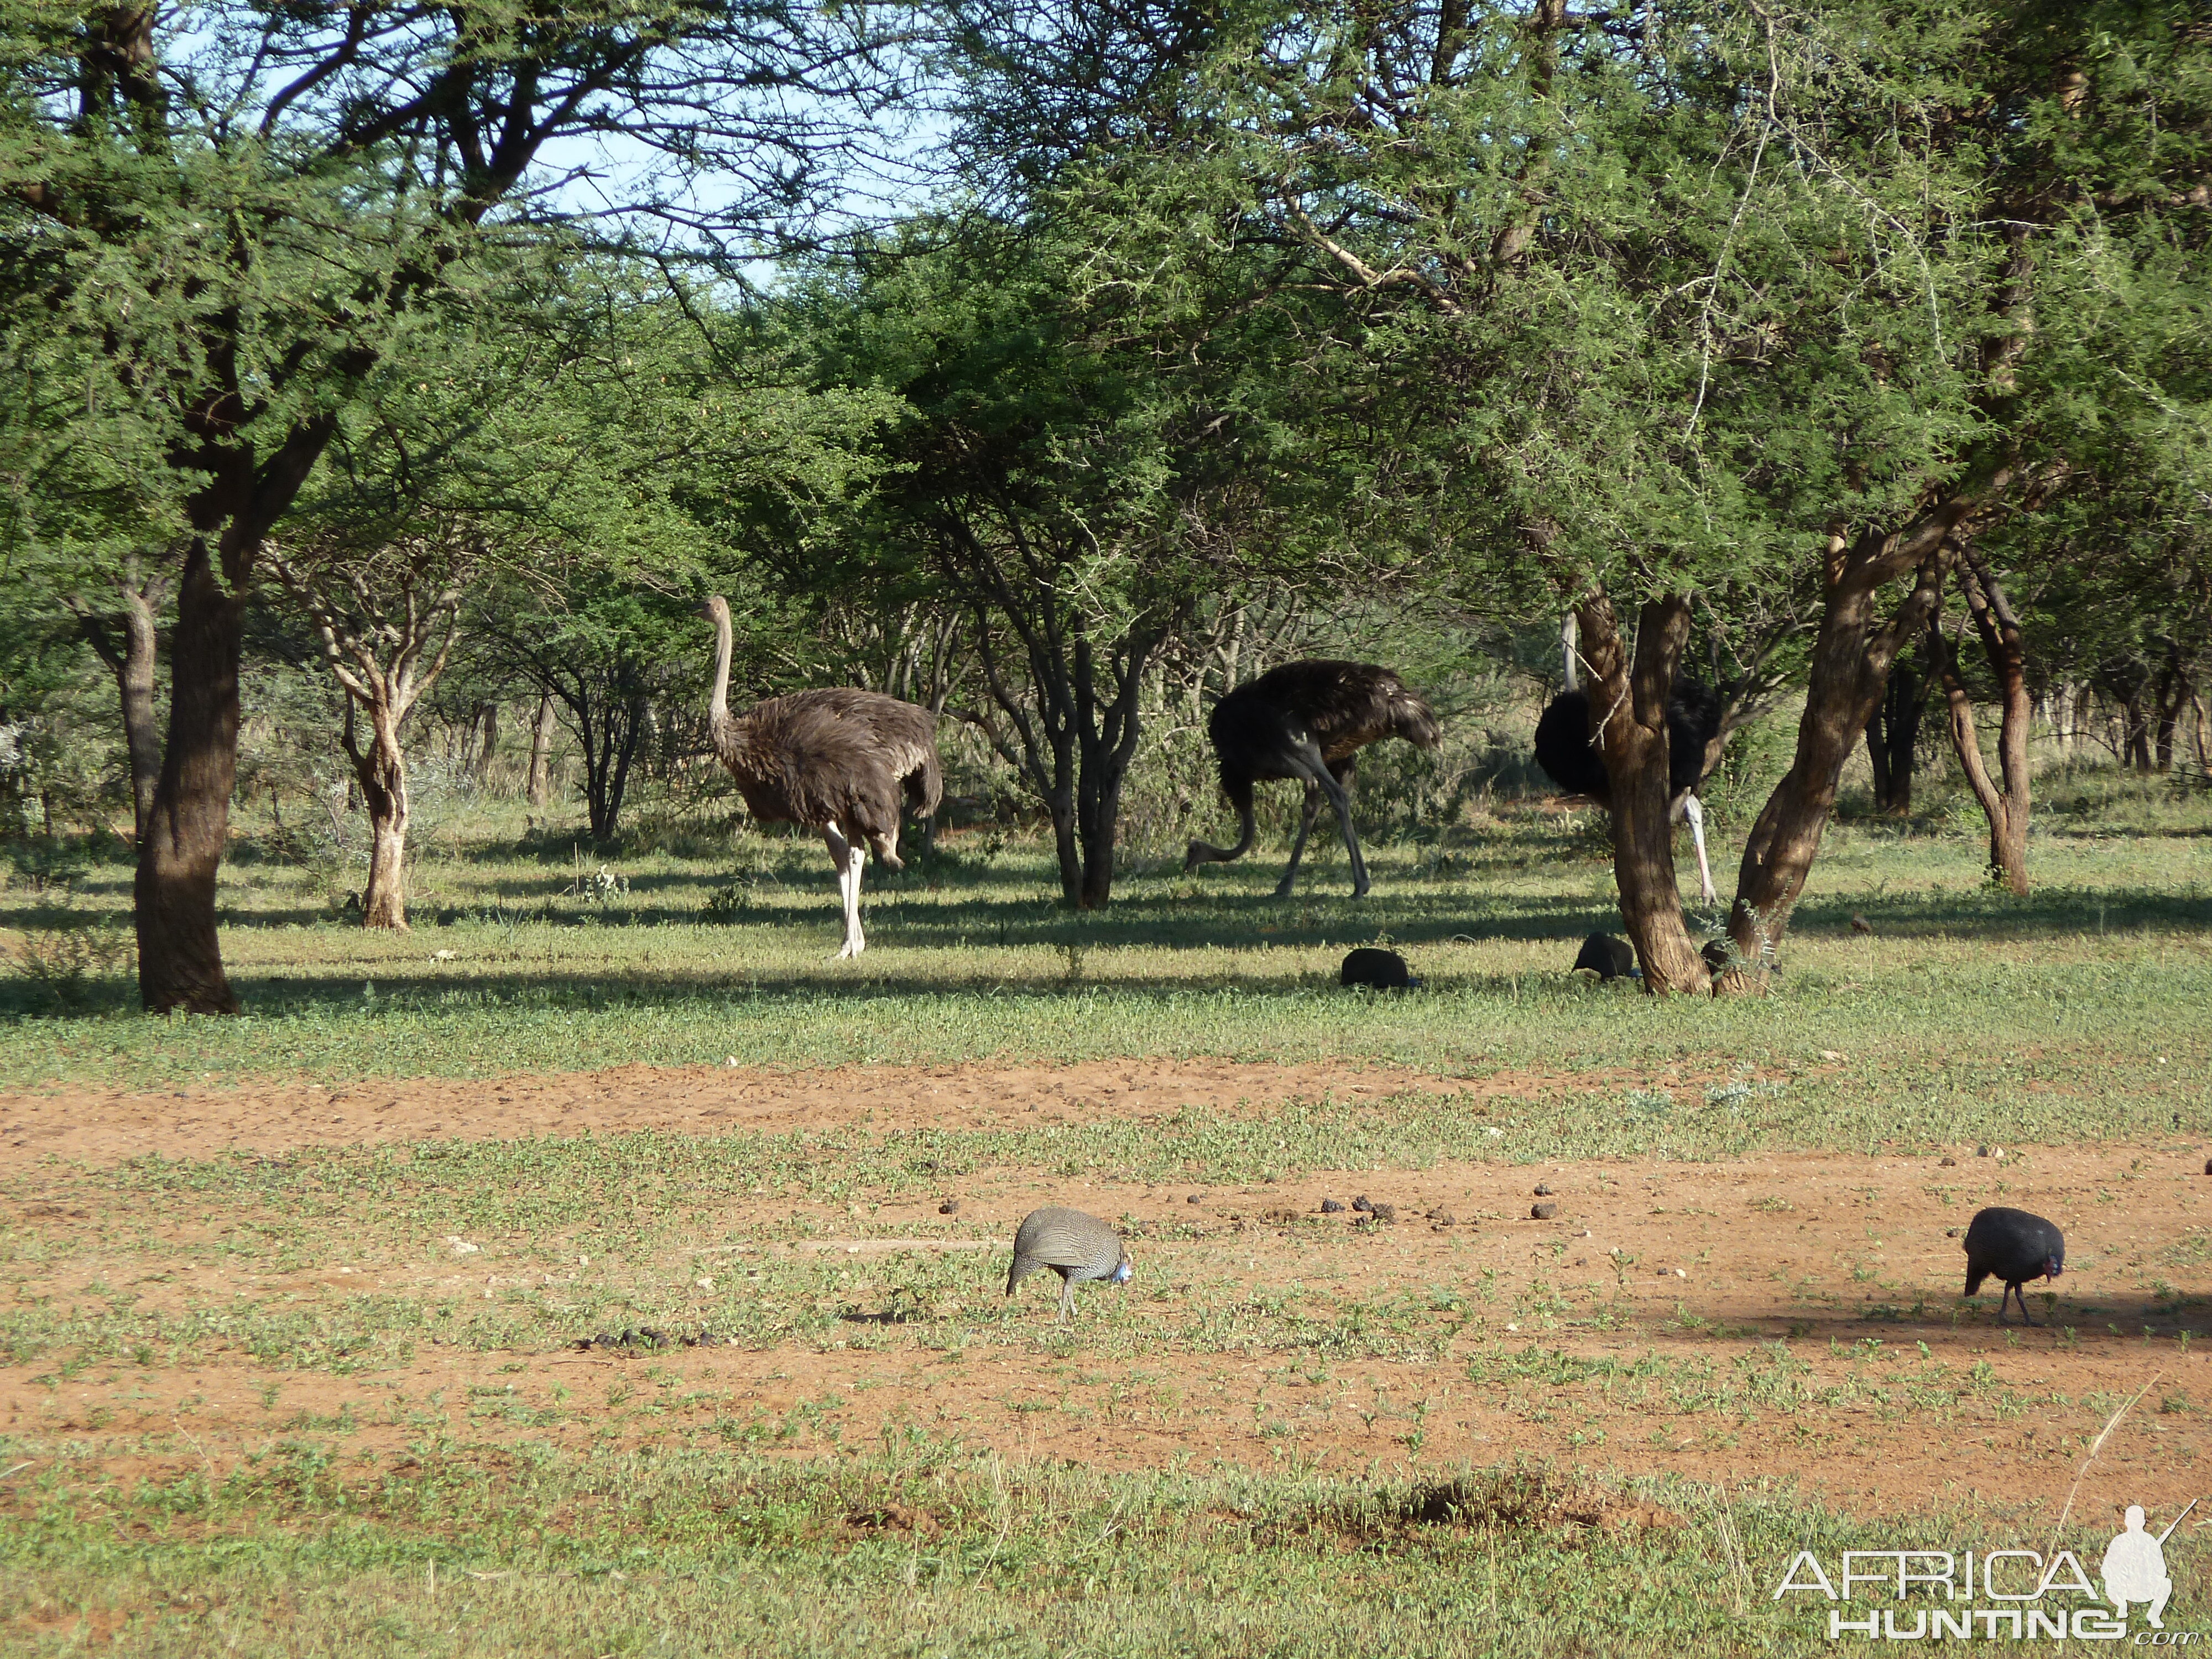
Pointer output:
x,y
236,215
1787,297
388,622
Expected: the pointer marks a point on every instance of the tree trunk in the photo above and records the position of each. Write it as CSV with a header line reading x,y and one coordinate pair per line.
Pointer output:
x,y
488,716
1848,673
179,953
2002,643
1893,740
541,751
2005,809
381,770
2170,695
1106,738
132,660
1628,728
607,761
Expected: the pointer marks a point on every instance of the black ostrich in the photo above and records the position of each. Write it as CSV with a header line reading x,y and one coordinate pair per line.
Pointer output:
x,y
1307,721
1564,750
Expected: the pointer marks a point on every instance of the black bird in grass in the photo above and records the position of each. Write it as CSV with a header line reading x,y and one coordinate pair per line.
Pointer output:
x,y
1375,970
1308,721
2011,1246
1608,957
1563,750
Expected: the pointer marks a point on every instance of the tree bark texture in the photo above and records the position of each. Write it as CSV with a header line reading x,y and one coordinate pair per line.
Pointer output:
x,y
1849,672
2004,803
540,783
1893,737
132,658
179,952
1628,728
381,768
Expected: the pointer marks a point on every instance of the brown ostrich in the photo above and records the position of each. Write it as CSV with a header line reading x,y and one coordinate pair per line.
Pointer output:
x,y
838,761
1307,721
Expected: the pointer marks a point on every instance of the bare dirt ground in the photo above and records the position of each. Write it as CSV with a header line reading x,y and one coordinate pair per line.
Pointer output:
x,y
106,1126
1840,1273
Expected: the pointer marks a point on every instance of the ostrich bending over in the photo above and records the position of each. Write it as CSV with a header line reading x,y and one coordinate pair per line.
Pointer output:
x,y
1565,748
836,761
1307,721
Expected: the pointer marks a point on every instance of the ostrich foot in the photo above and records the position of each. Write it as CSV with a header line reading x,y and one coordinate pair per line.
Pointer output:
x,y
854,946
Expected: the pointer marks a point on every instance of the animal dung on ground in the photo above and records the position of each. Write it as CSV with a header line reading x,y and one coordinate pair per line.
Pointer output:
x,y
1386,1214
951,1207
648,1339
1330,1207
1441,1217
1360,1203
1949,1163
1076,1246
2011,1246
1608,957
1543,1211
1373,969
1195,1198
1543,1190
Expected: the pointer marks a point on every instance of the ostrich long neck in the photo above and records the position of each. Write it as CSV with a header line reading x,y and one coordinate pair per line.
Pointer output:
x,y
718,705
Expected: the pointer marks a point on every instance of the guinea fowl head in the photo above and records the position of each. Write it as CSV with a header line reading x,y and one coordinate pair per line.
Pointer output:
x,y
2054,1264
1123,1274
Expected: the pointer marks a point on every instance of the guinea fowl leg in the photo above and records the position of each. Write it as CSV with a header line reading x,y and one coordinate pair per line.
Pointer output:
x,y
1298,847
1066,1299
1696,814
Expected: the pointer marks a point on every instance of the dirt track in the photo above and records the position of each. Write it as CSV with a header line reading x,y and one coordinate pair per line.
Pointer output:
x,y
1698,1271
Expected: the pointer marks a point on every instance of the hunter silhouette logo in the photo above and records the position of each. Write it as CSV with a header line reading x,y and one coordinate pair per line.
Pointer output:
x,y
2010,1595
2135,1566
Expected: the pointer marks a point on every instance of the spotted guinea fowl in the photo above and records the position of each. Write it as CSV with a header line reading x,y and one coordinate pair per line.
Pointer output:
x,y
1375,970
2011,1246
1074,1245
1608,957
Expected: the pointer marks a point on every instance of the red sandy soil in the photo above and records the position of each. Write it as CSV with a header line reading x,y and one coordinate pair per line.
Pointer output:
x,y
1699,1265
107,1126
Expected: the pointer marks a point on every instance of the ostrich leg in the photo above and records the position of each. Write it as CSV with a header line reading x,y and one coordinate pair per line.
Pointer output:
x,y
1319,773
847,857
1696,813
1298,847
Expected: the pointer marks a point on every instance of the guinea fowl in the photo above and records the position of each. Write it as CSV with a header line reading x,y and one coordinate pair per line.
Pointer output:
x,y
1375,970
840,761
1566,752
1076,1246
2011,1246
1608,957
1307,721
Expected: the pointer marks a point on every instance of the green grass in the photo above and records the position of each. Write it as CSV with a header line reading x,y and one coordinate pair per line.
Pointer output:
x,y
640,1512
923,1547
971,957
